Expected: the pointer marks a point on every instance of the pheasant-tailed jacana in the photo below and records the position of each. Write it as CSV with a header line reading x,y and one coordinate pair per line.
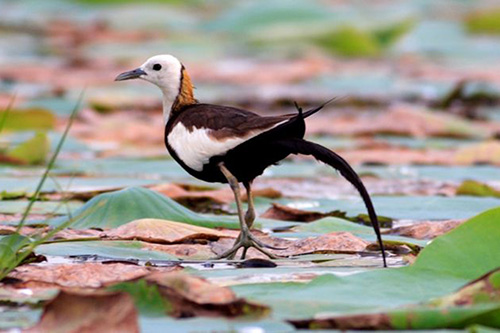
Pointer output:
x,y
228,145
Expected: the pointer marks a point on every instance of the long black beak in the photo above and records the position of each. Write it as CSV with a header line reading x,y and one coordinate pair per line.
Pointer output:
x,y
133,74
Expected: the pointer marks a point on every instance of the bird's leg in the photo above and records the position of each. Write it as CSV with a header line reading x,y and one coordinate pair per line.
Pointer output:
x,y
250,214
245,239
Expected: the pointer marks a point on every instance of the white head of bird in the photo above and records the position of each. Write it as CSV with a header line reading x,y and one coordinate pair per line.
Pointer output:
x,y
168,73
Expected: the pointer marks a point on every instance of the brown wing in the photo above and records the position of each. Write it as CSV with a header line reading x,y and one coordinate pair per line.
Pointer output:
x,y
224,121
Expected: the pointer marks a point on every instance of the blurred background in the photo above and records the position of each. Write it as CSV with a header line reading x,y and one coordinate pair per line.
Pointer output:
x,y
418,85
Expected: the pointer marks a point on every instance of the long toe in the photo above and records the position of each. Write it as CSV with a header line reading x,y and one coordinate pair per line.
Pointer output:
x,y
247,241
264,245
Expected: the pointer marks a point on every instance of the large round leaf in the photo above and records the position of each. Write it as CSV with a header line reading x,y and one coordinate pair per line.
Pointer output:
x,y
113,209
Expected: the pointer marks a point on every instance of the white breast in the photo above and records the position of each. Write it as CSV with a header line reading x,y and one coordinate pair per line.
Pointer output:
x,y
196,147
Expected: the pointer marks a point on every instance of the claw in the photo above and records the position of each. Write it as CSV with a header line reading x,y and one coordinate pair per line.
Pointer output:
x,y
247,241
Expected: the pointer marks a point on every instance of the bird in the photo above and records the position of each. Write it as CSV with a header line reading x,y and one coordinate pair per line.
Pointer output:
x,y
224,144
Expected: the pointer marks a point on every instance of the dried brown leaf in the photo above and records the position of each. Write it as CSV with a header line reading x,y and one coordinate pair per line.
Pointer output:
x,y
193,288
333,242
353,322
163,231
95,312
86,275
221,196
285,213
194,296
428,229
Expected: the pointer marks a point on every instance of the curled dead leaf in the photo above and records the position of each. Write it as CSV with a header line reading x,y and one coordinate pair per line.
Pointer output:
x,y
194,296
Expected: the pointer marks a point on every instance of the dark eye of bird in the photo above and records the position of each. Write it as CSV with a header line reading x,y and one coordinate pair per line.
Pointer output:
x,y
156,67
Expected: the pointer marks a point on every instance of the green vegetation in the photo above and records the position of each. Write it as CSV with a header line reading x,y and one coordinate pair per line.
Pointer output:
x,y
484,22
15,248
28,119
33,151
477,189
349,41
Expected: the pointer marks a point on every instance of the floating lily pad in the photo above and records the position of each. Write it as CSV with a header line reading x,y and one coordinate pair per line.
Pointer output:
x,y
113,209
404,207
106,249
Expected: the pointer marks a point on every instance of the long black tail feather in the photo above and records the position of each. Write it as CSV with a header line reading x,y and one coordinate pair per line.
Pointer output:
x,y
310,112
325,155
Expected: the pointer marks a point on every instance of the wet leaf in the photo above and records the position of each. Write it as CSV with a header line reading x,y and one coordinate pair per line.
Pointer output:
x,y
476,303
417,207
163,231
105,249
72,311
